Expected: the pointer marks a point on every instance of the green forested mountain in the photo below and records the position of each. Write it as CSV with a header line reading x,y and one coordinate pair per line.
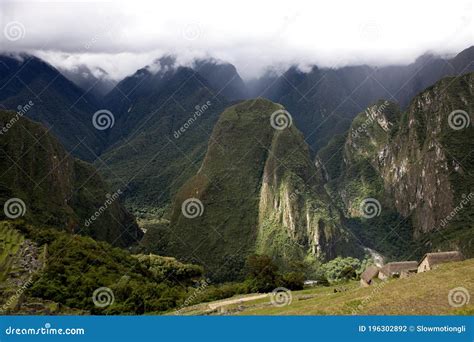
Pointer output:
x,y
256,191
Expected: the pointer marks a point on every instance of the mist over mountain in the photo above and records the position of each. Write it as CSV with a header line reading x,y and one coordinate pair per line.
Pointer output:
x,y
96,81
224,77
340,93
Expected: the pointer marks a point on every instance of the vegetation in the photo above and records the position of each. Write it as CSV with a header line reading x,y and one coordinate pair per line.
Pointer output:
x,y
351,167
10,241
401,158
76,266
263,275
343,269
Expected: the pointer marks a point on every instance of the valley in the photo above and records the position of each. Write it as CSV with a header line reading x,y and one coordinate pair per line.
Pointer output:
x,y
203,187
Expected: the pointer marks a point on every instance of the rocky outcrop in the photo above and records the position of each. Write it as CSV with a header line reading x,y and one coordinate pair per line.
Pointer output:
x,y
420,164
296,217
417,163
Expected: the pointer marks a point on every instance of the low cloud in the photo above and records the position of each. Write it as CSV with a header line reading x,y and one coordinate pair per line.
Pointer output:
x,y
121,37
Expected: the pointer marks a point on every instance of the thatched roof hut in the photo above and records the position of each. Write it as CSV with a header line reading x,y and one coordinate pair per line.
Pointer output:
x,y
396,268
432,259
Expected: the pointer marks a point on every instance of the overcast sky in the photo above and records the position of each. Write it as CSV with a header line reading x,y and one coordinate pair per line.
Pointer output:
x,y
121,36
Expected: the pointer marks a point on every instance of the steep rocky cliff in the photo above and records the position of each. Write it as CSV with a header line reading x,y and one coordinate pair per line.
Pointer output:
x,y
256,191
417,163
41,183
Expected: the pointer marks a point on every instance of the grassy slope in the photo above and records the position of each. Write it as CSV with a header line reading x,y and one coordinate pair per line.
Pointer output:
x,y
422,294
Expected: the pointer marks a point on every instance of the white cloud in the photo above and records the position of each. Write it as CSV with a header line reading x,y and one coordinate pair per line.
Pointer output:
x,y
122,36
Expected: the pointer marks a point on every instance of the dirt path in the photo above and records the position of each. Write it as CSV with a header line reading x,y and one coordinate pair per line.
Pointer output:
x,y
214,306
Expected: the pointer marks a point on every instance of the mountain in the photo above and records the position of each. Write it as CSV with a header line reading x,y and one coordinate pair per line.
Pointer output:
x,y
151,88
95,81
324,101
417,162
51,188
163,125
33,86
137,95
256,191
148,108
222,77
